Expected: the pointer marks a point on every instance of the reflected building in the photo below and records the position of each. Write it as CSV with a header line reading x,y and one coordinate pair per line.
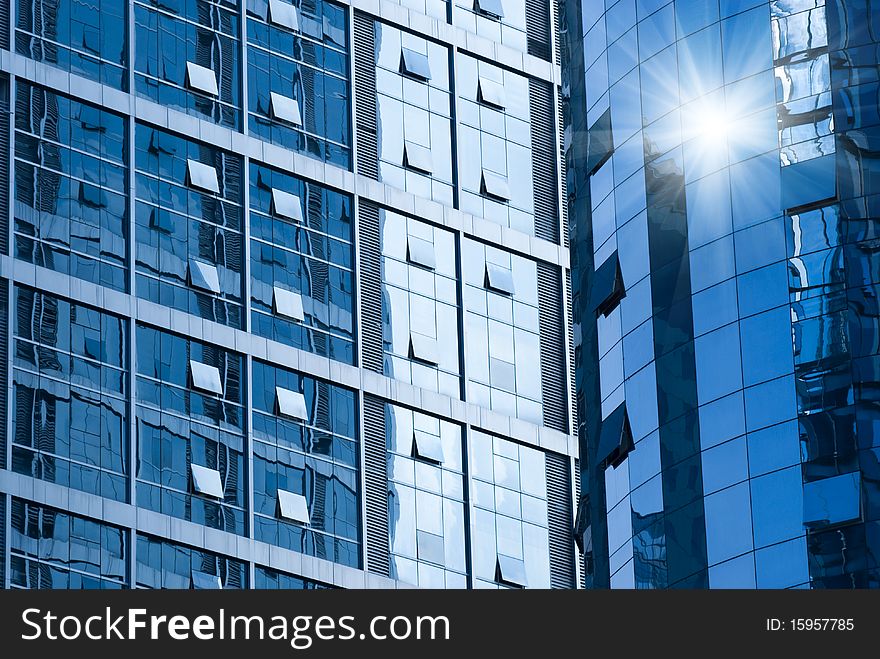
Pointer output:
x,y
722,187
284,291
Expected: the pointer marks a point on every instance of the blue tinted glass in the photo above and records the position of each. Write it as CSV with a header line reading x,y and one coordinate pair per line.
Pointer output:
x,y
736,573
722,419
809,181
777,506
767,338
620,18
712,264
755,190
715,307
774,448
763,289
746,44
718,363
725,465
691,15
760,245
728,523
770,403
656,32
783,565
708,209
833,500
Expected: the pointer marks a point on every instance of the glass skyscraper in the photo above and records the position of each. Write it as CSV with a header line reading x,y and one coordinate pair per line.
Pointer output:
x,y
284,296
723,184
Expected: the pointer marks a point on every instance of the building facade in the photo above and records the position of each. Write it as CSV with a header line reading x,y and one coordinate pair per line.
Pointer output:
x,y
284,296
723,186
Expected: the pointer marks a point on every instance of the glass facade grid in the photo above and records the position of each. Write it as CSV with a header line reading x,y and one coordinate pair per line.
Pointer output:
x,y
420,291
427,499
414,114
494,136
53,549
313,455
129,204
311,256
724,176
70,202
181,425
87,39
309,66
189,252
187,56
70,394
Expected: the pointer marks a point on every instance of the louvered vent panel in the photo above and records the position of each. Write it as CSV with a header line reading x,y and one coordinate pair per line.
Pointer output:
x,y
559,521
572,364
563,205
538,28
365,94
553,385
4,162
376,490
4,24
582,559
4,384
371,287
2,541
544,150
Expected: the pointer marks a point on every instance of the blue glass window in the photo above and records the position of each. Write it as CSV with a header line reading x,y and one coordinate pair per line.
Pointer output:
x,y
421,304
307,67
414,114
777,506
85,38
494,136
503,354
728,523
314,457
189,226
310,257
165,564
268,579
51,549
179,425
187,57
502,22
510,511
426,499
70,166
70,425
746,43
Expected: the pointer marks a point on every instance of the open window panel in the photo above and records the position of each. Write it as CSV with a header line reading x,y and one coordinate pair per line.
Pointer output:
x,y
287,304
491,8
498,279
286,109
286,205
206,481
423,349
417,158
283,14
510,571
202,176
415,65
204,276
608,289
291,404
201,79
615,438
293,507
495,186
205,377
427,447
491,93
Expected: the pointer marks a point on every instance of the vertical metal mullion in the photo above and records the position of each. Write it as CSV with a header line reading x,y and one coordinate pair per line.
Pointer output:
x,y
10,237
132,327
7,534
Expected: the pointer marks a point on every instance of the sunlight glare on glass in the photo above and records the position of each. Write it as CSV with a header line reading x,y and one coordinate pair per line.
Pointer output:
x,y
713,125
